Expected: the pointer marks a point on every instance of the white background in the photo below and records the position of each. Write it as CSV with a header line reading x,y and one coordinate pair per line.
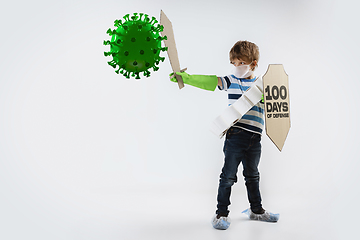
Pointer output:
x,y
88,154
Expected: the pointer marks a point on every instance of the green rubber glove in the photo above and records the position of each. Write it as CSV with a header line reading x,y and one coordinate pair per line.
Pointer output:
x,y
206,82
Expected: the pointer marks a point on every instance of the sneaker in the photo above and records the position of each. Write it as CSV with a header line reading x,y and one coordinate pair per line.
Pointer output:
x,y
266,217
220,222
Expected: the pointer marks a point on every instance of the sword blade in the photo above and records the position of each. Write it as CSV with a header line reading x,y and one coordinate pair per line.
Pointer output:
x,y
170,44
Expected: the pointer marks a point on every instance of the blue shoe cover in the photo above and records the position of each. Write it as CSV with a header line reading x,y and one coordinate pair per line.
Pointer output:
x,y
222,223
266,217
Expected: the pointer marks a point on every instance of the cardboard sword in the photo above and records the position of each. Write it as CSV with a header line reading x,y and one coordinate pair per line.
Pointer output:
x,y
170,44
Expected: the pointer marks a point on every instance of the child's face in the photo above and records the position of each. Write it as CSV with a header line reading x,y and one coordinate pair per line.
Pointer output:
x,y
238,62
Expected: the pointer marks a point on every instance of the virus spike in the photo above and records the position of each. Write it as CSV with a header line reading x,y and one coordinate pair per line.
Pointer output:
x,y
159,38
107,42
127,74
112,63
146,73
159,28
141,14
134,17
153,21
155,68
109,31
126,17
137,75
146,18
107,53
117,23
114,32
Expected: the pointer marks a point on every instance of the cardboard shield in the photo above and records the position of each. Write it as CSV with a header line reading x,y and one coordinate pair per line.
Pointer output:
x,y
277,104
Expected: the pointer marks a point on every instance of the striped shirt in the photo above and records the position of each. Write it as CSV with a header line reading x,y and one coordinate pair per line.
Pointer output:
x,y
253,120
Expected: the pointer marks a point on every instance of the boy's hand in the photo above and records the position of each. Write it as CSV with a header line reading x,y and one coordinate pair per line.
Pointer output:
x,y
183,75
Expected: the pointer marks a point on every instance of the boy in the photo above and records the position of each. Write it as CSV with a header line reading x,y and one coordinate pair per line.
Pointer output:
x,y
242,143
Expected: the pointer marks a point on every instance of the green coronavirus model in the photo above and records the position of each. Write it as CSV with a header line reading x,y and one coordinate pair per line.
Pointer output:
x,y
135,45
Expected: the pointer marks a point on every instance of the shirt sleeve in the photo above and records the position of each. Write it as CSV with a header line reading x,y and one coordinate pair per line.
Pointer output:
x,y
225,83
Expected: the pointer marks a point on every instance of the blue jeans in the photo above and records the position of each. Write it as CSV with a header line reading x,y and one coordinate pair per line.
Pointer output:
x,y
240,146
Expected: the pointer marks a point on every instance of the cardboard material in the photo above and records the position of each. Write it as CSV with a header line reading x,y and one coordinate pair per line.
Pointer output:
x,y
234,112
170,44
277,105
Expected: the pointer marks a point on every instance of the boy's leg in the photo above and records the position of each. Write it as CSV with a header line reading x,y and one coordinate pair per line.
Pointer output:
x,y
252,175
233,151
227,179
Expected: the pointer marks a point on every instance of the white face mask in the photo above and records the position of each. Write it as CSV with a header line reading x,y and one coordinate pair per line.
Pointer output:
x,y
242,71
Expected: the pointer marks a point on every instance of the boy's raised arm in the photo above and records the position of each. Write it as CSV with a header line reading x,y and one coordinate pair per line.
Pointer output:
x,y
206,82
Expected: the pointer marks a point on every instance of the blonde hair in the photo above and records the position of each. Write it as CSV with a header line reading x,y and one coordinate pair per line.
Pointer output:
x,y
245,50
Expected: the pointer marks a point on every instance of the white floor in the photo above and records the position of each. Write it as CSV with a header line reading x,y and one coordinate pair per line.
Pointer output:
x,y
164,213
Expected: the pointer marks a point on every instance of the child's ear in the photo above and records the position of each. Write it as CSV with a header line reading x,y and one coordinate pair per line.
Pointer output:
x,y
253,64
